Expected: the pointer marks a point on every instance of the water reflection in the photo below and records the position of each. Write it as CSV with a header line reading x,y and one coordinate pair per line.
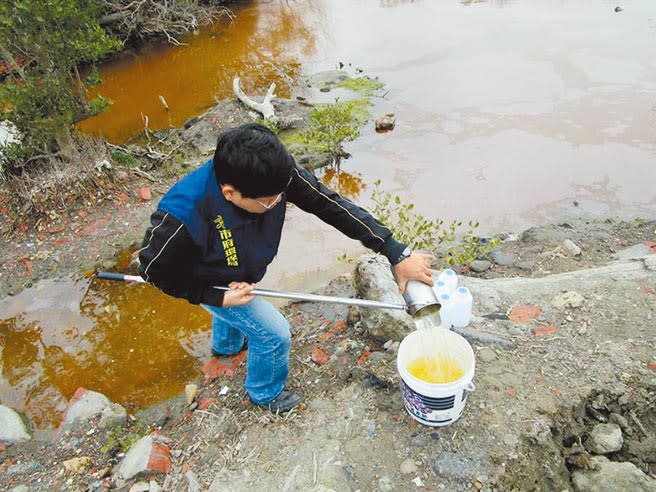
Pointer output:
x,y
129,342
262,44
348,184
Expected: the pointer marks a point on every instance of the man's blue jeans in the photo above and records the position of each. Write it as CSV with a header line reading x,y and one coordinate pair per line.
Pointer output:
x,y
269,341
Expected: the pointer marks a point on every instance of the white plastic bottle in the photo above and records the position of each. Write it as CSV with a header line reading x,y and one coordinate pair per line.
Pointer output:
x,y
450,279
446,311
462,307
439,287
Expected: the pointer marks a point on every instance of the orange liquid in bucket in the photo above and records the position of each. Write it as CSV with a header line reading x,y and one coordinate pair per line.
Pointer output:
x,y
442,369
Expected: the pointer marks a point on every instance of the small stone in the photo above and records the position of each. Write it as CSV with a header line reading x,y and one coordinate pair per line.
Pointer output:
x,y
408,466
191,391
419,441
77,464
480,266
450,464
525,265
568,299
12,426
140,487
385,123
604,439
319,356
571,247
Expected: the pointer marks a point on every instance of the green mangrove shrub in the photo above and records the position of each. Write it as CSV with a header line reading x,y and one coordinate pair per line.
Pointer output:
x,y
453,246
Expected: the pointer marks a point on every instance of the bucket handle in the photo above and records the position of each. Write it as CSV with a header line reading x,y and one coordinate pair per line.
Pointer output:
x,y
470,387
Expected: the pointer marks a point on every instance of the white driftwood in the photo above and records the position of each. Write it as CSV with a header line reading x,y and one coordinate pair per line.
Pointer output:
x,y
265,108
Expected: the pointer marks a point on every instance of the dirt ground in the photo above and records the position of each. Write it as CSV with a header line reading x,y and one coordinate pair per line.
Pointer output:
x,y
557,374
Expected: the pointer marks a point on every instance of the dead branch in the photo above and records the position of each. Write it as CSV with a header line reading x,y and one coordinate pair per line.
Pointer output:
x,y
164,103
265,108
166,18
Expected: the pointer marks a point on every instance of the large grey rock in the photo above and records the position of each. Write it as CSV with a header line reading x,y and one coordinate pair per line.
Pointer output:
x,y
12,427
87,404
149,455
374,280
502,258
610,476
604,439
480,266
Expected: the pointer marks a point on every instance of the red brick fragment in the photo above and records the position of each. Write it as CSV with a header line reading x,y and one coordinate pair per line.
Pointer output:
x,y
319,356
652,365
206,403
363,358
511,392
27,263
122,196
524,313
160,458
339,326
60,242
145,194
215,368
651,245
539,331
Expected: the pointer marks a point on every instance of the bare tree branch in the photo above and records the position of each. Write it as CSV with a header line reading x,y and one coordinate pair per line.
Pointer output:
x,y
265,108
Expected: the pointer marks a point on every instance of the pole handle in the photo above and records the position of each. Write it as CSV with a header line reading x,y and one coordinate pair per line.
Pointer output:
x,y
274,293
119,276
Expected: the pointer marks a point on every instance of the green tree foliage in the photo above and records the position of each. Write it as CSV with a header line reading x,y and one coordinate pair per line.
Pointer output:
x,y
331,125
44,42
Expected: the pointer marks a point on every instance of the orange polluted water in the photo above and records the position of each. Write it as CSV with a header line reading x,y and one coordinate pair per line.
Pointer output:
x,y
261,44
440,369
128,341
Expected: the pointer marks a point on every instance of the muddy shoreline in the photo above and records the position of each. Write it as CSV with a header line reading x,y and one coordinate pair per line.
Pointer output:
x,y
543,408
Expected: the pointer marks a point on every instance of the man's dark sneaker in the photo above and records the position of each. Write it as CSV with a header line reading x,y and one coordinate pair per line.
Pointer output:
x,y
284,402
219,354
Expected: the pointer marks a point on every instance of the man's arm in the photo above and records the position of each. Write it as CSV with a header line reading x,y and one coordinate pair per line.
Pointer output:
x,y
310,195
167,259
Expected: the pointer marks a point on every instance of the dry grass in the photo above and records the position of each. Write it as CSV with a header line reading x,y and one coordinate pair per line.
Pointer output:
x,y
82,178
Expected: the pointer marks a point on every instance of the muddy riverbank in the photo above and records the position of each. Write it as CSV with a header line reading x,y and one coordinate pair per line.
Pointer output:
x,y
561,370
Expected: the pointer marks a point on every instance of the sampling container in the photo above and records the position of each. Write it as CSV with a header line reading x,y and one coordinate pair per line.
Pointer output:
x,y
429,403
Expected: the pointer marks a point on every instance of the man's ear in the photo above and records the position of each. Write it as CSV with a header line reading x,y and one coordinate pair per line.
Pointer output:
x,y
228,191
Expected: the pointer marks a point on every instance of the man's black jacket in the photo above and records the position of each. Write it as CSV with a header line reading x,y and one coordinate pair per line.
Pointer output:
x,y
198,239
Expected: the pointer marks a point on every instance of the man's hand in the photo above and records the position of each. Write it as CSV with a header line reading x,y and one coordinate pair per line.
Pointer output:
x,y
414,267
238,295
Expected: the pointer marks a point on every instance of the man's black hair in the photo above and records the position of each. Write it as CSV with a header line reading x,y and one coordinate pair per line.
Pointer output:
x,y
253,160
